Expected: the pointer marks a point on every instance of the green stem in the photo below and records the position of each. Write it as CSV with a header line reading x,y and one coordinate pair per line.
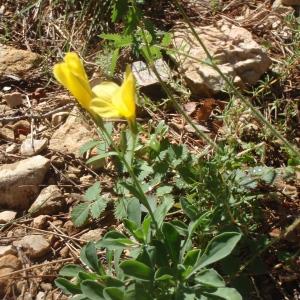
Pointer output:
x,y
143,199
173,100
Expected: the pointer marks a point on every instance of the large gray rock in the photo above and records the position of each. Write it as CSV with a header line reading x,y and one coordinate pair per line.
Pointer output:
x,y
20,181
16,62
74,133
49,201
238,56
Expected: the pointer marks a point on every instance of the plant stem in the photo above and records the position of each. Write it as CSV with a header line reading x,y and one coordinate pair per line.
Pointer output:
x,y
143,199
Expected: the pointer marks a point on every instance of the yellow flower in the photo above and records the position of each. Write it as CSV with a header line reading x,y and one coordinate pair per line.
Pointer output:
x,y
107,100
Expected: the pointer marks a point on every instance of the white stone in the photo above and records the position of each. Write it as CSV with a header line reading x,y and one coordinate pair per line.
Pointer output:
x,y
49,201
32,147
145,76
7,216
20,181
236,53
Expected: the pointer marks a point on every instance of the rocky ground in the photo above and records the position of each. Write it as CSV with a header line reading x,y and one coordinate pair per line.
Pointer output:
x,y
42,173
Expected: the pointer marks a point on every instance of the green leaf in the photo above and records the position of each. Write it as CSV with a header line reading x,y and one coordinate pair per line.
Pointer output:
x,y
80,214
120,209
162,210
132,189
66,286
134,211
93,191
166,189
71,270
218,248
88,276
172,240
191,257
119,10
101,156
163,274
115,240
88,146
189,209
88,255
114,59
79,297
92,289
137,270
113,244
98,207
210,278
111,281
166,40
225,293
113,293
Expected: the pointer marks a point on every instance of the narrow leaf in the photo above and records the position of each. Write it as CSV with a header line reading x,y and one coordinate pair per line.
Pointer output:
x,y
137,270
92,289
66,286
218,248
70,270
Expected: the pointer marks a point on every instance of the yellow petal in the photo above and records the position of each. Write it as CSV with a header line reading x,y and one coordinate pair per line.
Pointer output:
x,y
105,89
72,76
124,99
75,65
104,108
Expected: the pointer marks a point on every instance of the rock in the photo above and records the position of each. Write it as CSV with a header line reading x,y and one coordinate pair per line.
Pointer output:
x,y
291,2
40,222
19,181
46,286
49,201
5,250
64,252
92,235
40,296
74,133
281,9
8,263
35,246
4,109
70,228
7,134
236,53
146,78
26,296
13,148
32,147
16,62
14,99
7,216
